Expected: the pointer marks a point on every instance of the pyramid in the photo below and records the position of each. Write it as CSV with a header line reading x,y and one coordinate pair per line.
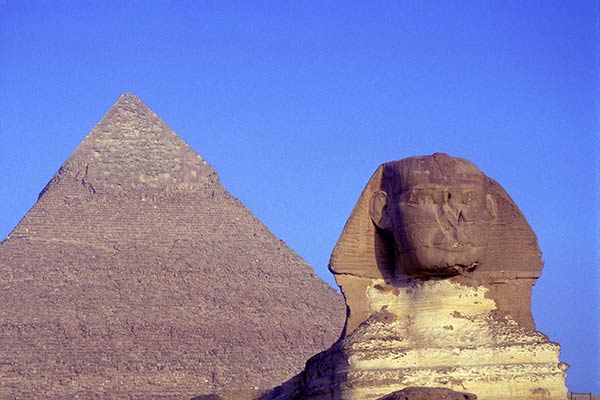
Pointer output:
x,y
136,275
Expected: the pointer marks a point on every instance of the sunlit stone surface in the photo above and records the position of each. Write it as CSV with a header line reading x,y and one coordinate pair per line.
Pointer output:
x,y
436,263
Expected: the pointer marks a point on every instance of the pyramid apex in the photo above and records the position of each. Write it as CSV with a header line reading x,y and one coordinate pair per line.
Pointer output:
x,y
132,148
127,100
128,96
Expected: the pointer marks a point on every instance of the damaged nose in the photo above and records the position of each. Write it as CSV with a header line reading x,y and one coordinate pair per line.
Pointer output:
x,y
447,212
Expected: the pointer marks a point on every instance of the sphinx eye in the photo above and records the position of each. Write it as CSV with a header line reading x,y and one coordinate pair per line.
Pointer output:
x,y
419,197
471,199
413,197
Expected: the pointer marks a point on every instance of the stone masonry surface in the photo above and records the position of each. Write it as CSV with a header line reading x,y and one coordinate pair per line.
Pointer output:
x,y
137,275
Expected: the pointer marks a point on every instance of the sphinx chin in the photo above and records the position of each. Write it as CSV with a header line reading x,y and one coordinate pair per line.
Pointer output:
x,y
440,262
442,271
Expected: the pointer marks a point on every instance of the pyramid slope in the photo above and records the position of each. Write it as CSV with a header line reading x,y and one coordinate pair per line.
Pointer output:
x,y
137,275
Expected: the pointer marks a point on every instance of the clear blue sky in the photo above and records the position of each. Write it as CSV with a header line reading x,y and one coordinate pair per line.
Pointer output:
x,y
295,103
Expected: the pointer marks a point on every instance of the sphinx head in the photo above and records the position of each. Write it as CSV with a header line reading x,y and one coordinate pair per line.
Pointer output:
x,y
438,211
436,216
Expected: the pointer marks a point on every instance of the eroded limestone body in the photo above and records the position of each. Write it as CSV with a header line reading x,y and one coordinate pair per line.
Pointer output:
x,y
436,264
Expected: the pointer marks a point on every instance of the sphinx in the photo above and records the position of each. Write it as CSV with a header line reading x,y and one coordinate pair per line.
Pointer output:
x,y
436,264
437,217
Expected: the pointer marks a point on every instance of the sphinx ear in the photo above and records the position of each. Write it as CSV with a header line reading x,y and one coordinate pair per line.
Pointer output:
x,y
492,206
379,211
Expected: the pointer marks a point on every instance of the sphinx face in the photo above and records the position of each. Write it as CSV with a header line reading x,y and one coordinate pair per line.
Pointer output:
x,y
441,224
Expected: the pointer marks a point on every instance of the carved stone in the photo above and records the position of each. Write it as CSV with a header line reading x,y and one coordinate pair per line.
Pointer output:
x,y
436,263
437,216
